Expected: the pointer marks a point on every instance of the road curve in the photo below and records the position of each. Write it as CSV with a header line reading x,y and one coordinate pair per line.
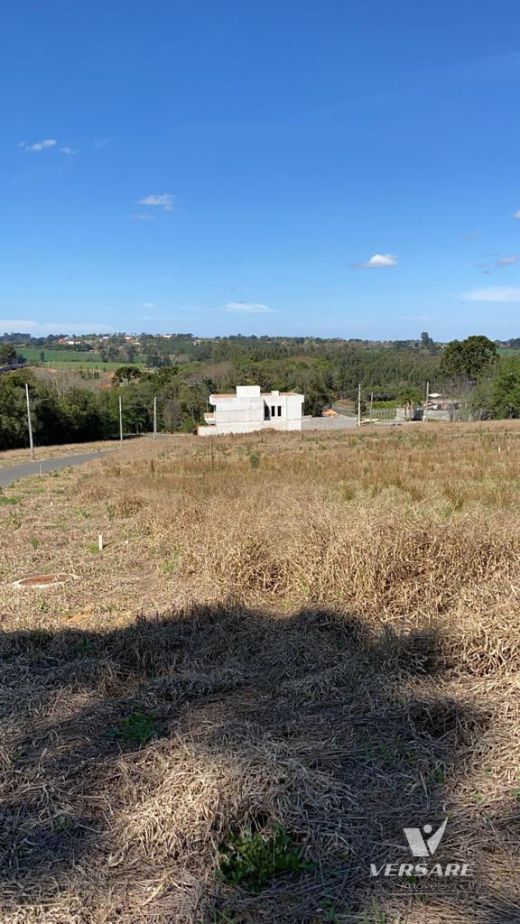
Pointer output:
x,y
25,469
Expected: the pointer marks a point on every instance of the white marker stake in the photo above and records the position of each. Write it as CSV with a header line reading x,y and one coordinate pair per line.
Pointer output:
x,y
100,542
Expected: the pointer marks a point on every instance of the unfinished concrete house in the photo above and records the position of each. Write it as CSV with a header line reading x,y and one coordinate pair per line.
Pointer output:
x,y
249,410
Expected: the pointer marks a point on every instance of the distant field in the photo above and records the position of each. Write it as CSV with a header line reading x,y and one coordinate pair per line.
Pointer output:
x,y
64,358
33,354
291,647
102,367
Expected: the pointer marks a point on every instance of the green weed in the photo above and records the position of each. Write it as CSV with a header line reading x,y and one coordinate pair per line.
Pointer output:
x,y
138,728
6,501
252,859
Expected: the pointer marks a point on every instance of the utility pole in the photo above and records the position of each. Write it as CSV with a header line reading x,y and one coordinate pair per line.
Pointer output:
x,y
425,412
371,404
359,405
154,417
120,418
29,422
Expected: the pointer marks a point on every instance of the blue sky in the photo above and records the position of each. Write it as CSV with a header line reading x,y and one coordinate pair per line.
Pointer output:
x,y
294,167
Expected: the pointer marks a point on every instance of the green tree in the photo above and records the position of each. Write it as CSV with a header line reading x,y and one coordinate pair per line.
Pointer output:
x,y
505,389
410,395
468,358
8,355
426,342
83,415
13,412
126,374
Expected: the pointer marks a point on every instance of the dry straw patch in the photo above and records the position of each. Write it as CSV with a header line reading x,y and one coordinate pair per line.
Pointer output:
x,y
337,651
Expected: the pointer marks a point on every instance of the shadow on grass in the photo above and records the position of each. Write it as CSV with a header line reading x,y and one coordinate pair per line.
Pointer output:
x,y
129,756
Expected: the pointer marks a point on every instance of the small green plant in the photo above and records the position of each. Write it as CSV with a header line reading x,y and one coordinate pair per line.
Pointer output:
x,y
62,823
329,909
83,647
34,542
224,917
375,915
6,501
254,459
138,728
169,566
252,859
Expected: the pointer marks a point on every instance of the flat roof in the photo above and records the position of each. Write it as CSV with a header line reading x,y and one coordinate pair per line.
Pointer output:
x,y
264,394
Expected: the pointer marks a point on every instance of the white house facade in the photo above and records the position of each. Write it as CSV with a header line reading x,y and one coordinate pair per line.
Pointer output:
x,y
249,410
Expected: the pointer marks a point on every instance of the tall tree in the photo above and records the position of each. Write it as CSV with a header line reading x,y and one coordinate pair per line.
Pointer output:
x,y
8,355
468,358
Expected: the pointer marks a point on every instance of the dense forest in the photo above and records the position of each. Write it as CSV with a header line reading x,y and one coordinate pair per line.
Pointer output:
x,y
80,400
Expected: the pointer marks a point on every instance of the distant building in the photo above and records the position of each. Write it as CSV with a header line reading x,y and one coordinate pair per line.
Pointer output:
x,y
249,410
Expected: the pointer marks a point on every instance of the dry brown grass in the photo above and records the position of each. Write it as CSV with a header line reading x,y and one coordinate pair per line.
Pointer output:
x,y
337,650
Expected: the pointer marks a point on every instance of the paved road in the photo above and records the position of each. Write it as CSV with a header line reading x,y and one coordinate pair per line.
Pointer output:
x,y
26,469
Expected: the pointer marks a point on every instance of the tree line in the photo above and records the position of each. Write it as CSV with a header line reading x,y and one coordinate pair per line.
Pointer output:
x,y
324,371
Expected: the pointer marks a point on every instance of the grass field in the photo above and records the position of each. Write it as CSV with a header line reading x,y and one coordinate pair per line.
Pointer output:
x,y
33,354
289,649
89,365
73,359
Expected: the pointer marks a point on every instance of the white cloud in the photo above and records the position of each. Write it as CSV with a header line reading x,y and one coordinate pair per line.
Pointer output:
x,y
503,294
150,305
39,145
378,261
45,145
488,268
507,261
163,201
249,308
143,216
516,214
21,326
25,326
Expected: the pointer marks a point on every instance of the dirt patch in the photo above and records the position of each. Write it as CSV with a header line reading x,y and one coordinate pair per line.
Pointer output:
x,y
42,580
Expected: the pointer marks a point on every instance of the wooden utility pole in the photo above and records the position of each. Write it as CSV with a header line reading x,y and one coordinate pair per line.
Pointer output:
x,y
154,417
371,404
29,422
359,405
425,412
120,418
